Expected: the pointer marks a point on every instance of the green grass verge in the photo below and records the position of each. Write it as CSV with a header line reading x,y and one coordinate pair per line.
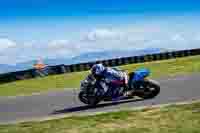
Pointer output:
x,y
72,80
173,119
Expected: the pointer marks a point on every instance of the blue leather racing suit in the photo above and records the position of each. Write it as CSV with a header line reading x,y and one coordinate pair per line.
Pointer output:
x,y
115,78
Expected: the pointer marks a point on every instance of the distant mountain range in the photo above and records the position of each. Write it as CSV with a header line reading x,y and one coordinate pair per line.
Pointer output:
x,y
4,68
93,56
86,57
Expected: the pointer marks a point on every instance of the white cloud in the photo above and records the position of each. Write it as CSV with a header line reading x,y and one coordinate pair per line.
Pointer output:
x,y
99,39
63,48
58,44
102,34
6,43
197,37
178,37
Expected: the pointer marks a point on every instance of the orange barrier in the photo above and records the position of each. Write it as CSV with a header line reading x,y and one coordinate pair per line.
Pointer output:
x,y
39,65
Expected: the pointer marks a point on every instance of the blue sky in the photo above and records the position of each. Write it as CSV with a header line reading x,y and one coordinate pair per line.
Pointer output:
x,y
68,28
25,9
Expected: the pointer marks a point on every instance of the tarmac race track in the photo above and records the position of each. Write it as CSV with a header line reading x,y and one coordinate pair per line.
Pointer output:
x,y
24,108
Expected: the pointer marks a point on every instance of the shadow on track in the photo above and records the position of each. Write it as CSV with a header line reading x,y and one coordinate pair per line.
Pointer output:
x,y
86,107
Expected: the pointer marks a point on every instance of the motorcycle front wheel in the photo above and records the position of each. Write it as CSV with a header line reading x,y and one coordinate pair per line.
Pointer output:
x,y
89,100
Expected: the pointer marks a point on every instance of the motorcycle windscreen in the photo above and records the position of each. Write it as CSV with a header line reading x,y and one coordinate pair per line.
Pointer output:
x,y
140,74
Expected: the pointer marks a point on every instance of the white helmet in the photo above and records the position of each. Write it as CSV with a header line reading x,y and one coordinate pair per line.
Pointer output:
x,y
97,69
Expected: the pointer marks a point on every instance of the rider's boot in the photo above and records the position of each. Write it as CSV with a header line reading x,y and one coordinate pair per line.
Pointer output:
x,y
129,90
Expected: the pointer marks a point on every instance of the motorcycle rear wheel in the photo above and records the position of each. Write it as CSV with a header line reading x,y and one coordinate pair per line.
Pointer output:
x,y
151,89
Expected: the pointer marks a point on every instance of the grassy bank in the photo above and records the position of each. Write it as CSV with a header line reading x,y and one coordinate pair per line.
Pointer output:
x,y
72,80
173,119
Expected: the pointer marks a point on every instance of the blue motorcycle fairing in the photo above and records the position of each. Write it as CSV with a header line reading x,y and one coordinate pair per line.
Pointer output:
x,y
140,74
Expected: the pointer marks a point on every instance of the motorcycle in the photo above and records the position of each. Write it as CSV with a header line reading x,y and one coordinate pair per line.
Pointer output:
x,y
92,91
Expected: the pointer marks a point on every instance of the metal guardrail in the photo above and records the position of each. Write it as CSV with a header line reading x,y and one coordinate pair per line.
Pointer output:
x,y
60,69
